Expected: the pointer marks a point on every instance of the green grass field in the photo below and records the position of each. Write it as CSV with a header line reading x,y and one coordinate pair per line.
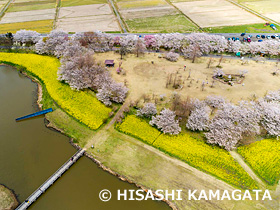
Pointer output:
x,y
70,3
164,24
254,28
31,5
264,158
196,153
41,26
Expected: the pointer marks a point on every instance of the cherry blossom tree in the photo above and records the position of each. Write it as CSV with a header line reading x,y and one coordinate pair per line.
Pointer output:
x,y
166,122
27,37
273,96
215,101
172,56
139,47
232,123
112,92
148,110
47,45
199,118
270,116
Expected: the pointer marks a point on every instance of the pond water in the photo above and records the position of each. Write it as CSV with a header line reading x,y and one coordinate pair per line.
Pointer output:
x,y
30,153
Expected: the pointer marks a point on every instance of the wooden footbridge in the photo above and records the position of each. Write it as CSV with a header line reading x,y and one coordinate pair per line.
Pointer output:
x,y
37,193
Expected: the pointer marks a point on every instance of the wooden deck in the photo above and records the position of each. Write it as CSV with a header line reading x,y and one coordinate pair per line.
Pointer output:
x,y
37,193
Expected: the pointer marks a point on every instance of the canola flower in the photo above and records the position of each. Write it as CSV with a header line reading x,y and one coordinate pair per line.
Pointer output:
x,y
138,128
196,153
264,158
81,105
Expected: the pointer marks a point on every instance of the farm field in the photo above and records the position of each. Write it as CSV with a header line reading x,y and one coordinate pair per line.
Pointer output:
x,y
153,16
140,72
29,15
87,18
124,4
70,3
74,103
252,28
208,13
162,24
2,4
264,158
42,26
218,162
28,5
25,16
268,8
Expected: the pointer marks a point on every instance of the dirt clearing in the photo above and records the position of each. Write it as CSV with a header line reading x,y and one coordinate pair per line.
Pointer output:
x,y
143,77
208,13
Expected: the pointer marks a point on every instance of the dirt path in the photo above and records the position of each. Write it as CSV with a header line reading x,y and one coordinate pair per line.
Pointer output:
x,y
120,111
242,163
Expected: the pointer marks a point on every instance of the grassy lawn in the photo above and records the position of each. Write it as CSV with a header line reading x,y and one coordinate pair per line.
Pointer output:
x,y
254,28
164,24
70,3
196,153
41,26
31,5
264,158
124,4
7,200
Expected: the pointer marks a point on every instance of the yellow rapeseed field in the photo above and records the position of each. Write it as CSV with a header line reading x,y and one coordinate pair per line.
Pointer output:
x,y
264,157
81,105
196,153
138,128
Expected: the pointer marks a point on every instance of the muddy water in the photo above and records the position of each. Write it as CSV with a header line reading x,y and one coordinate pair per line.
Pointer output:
x,y
30,153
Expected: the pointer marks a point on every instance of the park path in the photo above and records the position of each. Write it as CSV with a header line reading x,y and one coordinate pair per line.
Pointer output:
x,y
242,163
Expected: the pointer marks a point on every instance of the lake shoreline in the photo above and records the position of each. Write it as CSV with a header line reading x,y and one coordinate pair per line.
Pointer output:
x,y
51,126
12,195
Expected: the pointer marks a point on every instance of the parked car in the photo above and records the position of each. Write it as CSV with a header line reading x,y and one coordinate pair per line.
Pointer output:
x,y
233,38
273,37
237,39
268,37
260,40
263,36
229,39
276,35
244,39
258,36
249,36
243,34
249,39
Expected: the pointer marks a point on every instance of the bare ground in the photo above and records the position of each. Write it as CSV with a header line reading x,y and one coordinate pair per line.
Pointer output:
x,y
143,77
